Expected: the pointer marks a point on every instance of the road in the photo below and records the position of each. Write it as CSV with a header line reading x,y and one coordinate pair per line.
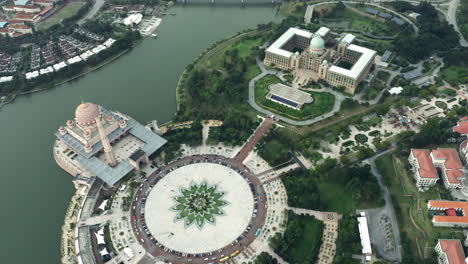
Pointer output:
x,y
388,209
97,4
452,19
415,28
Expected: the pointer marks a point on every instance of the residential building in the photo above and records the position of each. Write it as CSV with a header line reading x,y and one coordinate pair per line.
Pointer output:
x,y
424,170
447,161
462,126
448,213
450,251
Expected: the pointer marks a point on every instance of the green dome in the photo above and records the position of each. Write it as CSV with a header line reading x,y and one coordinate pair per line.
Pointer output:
x,y
317,43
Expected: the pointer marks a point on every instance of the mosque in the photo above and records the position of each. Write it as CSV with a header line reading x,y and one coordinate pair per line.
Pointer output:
x,y
320,57
105,145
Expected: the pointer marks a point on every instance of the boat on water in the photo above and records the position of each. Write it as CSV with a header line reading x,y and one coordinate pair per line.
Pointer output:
x,y
154,35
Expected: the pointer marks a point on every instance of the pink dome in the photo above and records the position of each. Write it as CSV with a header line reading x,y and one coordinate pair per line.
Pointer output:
x,y
86,113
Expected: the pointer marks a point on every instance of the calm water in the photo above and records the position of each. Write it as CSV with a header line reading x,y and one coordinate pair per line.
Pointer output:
x,y
34,192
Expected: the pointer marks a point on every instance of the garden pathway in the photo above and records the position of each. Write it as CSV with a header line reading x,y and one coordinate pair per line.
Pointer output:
x,y
319,215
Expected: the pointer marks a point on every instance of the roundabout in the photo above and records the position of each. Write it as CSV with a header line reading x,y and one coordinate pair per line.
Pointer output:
x,y
199,209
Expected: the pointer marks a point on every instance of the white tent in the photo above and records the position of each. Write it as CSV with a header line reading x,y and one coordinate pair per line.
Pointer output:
x,y
101,231
396,90
100,239
133,19
103,252
103,205
129,252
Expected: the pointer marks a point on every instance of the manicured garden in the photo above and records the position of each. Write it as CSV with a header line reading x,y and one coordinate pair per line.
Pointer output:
x,y
323,101
455,74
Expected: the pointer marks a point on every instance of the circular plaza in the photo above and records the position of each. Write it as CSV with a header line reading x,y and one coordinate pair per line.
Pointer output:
x,y
203,207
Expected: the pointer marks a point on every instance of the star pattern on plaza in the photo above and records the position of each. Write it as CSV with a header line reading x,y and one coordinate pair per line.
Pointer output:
x,y
198,204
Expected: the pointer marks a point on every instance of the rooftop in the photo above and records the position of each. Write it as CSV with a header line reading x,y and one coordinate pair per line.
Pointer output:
x,y
21,2
454,250
323,31
366,58
291,94
462,126
348,38
443,205
364,235
276,47
426,167
450,155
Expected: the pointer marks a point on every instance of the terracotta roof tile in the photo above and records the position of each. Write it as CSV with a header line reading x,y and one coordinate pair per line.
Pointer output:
x,y
426,167
454,250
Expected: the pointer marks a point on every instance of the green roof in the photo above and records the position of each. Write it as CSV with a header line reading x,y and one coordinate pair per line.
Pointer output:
x,y
317,42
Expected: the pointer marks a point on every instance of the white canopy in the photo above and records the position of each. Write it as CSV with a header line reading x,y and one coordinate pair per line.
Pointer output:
x,y
103,205
129,252
100,239
103,252
101,231
396,90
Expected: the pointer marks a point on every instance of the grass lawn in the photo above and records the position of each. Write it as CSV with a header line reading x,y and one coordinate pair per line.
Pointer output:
x,y
67,11
244,47
366,24
408,201
296,9
323,102
336,197
455,74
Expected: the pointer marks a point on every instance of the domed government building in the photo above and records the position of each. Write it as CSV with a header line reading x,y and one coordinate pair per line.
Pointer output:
x,y
319,56
99,143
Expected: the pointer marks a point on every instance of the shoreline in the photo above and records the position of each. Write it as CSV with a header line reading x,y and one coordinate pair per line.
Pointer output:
x,y
92,69
206,53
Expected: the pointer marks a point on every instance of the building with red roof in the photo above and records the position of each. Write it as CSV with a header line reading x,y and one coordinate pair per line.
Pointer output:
x,y
21,28
450,165
425,173
450,251
26,17
462,126
449,220
46,10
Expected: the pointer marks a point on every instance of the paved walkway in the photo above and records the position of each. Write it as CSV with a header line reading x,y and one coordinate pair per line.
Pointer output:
x,y
317,214
97,220
253,140
308,14
276,174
